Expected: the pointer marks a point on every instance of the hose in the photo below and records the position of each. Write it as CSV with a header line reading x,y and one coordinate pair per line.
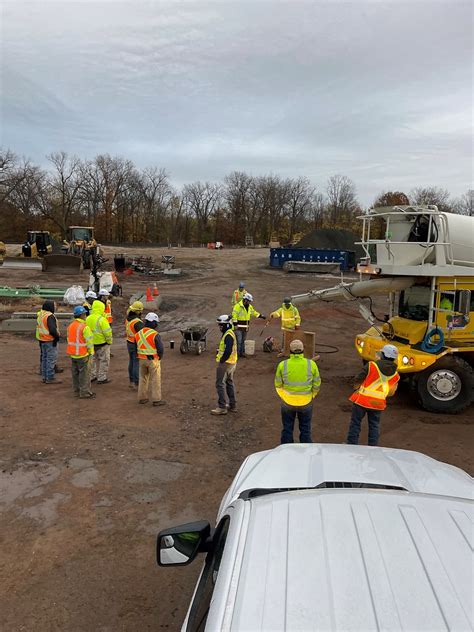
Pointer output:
x,y
433,347
331,349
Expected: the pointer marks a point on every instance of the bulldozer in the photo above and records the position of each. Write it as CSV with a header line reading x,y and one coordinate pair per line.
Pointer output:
x,y
79,251
37,245
424,264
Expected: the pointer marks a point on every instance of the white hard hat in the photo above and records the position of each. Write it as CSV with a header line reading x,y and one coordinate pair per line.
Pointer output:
x,y
91,294
104,293
247,297
224,319
390,351
151,317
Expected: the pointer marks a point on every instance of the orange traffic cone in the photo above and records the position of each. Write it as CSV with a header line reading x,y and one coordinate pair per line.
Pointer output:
x,y
149,297
155,290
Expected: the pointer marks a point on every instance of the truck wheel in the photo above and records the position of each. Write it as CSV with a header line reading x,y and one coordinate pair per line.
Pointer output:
x,y
183,347
447,386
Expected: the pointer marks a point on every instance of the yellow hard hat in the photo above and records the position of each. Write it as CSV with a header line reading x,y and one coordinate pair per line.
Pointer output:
x,y
137,306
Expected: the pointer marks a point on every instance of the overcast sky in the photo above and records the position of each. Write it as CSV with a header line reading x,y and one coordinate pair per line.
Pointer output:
x,y
378,91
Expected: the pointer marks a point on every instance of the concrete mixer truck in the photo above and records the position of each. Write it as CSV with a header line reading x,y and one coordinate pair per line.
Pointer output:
x,y
424,264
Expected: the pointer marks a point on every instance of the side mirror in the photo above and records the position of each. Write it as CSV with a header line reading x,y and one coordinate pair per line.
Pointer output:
x,y
179,545
465,302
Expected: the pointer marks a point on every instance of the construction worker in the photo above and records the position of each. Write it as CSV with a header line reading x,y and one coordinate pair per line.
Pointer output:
x,y
102,338
47,333
90,296
241,315
80,348
226,359
104,297
150,352
133,322
297,382
289,315
377,381
238,294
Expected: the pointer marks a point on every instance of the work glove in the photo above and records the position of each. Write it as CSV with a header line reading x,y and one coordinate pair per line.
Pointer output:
x,y
263,317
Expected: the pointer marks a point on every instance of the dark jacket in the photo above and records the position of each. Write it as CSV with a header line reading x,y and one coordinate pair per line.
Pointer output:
x,y
48,306
387,367
229,343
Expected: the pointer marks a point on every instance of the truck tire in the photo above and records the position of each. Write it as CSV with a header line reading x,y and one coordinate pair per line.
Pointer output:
x,y
447,386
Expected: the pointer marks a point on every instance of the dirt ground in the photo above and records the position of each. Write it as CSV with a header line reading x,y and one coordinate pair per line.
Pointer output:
x,y
85,486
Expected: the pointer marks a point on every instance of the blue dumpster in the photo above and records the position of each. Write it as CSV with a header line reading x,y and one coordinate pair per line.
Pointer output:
x,y
345,258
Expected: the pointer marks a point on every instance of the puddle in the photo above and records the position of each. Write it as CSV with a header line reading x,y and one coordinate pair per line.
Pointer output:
x,y
86,478
155,471
26,480
46,512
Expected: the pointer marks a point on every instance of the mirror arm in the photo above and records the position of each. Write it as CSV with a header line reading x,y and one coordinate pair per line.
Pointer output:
x,y
207,544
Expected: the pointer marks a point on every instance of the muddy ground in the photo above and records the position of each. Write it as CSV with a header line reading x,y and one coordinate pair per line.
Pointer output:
x,y
86,485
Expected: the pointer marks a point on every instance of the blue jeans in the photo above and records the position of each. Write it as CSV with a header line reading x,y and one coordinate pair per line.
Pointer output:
x,y
288,416
133,363
241,335
49,356
373,418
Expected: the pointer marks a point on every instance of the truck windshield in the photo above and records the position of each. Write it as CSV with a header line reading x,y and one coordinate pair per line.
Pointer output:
x,y
415,303
81,234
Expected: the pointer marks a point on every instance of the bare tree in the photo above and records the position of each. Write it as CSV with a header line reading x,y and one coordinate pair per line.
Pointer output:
x,y
432,195
391,198
202,200
342,200
237,195
318,210
300,202
465,204
64,187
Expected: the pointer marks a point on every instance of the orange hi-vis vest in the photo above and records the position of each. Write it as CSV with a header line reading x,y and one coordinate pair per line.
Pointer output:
x,y
130,326
108,312
42,331
78,345
374,390
145,340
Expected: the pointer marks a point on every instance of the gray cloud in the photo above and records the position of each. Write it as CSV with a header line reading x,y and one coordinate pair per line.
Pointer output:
x,y
379,91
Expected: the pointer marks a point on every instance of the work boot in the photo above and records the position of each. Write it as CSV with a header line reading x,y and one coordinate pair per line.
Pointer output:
x,y
231,409
107,381
88,396
93,379
143,401
58,370
161,402
131,385
219,411
52,381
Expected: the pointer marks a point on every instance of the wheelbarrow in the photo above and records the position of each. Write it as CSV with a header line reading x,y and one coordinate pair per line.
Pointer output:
x,y
194,340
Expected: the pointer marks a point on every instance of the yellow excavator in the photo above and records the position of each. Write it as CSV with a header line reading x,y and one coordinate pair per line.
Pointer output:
x,y
37,245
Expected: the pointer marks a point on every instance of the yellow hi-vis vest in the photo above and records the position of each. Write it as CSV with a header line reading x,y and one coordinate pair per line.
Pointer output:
x,y
374,390
297,380
42,331
289,317
130,326
145,339
241,316
232,359
79,340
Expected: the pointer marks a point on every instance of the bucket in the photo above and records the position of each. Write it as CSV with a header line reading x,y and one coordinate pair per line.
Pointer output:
x,y
249,347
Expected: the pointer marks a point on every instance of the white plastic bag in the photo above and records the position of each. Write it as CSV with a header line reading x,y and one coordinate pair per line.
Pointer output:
x,y
74,295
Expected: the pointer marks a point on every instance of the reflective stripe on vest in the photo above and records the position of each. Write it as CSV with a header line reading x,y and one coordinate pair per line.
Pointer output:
x,y
232,359
145,339
76,341
130,328
374,390
300,388
42,331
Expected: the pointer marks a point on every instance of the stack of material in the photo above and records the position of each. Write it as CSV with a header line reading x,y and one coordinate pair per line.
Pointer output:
x,y
29,292
335,238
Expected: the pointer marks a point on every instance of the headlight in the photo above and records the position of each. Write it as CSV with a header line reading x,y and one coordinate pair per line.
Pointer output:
x,y
405,360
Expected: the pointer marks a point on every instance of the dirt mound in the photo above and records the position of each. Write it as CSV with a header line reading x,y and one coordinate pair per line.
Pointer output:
x,y
335,238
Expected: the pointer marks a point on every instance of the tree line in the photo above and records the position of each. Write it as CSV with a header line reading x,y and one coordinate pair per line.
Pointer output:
x,y
127,204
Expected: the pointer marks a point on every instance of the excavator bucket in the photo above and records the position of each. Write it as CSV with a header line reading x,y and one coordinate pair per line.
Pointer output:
x,y
62,264
24,263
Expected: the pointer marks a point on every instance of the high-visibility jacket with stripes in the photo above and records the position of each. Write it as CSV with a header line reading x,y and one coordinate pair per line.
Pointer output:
x,y
108,312
238,295
80,342
290,317
375,389
297,380
42,329
232,359
130,328
146,346
101,330
241,316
